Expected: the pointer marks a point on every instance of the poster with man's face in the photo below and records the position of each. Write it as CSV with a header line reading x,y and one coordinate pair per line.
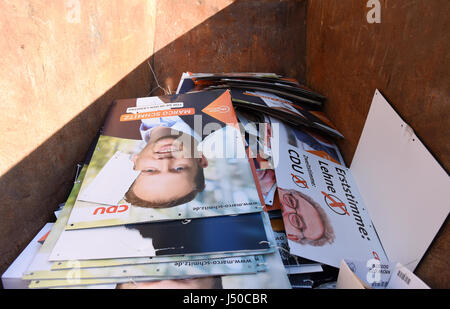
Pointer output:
x,y
156,237
323,212
167,158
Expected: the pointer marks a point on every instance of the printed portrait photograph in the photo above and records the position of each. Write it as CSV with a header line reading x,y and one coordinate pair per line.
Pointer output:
x,y
304,219
163,178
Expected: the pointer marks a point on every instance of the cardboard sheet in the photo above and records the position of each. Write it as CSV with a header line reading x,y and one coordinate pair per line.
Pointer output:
x,y
403,186
376,275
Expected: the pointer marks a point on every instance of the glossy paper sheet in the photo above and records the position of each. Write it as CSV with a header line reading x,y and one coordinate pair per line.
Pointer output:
x,y
199,236
180,269
167,259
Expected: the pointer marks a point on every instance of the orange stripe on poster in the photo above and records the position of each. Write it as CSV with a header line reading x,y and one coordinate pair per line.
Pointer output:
x,y
324,155
158,114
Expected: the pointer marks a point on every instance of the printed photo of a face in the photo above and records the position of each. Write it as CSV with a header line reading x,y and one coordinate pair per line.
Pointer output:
x,y
304,219
171,170
266,180
189,284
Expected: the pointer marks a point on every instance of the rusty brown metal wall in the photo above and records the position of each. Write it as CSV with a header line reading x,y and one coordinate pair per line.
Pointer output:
x,y
407,57
63,62
245,36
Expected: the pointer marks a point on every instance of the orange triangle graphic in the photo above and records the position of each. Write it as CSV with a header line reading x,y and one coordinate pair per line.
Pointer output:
x,y
222,109
323,154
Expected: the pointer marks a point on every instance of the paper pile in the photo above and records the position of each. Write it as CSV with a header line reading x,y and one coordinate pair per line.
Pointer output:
x,y
267,104
233,182
168,199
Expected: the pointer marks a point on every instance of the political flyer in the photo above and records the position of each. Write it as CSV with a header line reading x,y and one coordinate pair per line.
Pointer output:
x,y
322,209
168,158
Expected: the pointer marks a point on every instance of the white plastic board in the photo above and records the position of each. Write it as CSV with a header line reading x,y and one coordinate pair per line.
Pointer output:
x,y
402,185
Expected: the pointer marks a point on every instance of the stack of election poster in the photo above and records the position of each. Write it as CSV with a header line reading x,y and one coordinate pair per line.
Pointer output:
x,y
256,111
236,181
168,194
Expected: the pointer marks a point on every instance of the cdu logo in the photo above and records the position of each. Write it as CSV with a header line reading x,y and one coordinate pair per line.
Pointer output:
x,y
335,204
299,181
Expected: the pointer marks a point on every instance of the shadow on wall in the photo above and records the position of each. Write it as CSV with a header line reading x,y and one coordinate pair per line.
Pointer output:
x,y
245,36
